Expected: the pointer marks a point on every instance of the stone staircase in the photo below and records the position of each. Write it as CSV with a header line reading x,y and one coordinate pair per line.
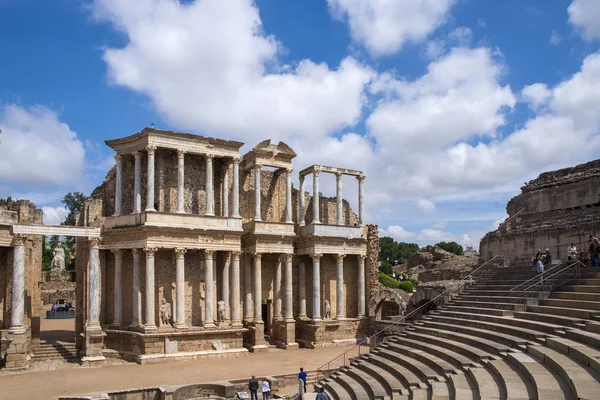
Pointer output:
x,y
55,351
478,347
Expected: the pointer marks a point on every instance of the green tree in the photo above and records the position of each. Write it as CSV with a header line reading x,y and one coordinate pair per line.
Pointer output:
x,y
386,268
74,202
452,247
5,202
390,250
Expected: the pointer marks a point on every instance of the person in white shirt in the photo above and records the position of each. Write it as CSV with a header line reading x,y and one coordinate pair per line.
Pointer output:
x,y
572,252
539,268
265,388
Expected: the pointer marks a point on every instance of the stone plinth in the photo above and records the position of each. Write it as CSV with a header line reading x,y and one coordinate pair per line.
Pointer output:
x,y
58,275
254,337
285,334
17,350
327,333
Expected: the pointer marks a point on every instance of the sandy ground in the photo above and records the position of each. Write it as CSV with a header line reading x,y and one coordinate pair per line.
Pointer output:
x,y
77,380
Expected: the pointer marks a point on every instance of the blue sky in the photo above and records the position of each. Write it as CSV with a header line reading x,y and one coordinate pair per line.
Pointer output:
x,y
447,105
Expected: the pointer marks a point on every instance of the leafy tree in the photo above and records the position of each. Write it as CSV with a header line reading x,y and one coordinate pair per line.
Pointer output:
x,y
5,202
392,251
386,268
452,247
74,202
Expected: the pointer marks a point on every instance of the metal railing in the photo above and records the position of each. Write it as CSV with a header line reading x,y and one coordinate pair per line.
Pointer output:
x,y
541,285
504,223
479,274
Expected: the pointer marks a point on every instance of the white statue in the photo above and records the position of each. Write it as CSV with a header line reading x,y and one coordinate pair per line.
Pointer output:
x,y
220,311
58,259
165,312
327,309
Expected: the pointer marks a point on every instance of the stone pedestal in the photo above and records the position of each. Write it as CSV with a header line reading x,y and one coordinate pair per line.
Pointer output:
x,y
254,337
16,347
94,343
285,334
58,275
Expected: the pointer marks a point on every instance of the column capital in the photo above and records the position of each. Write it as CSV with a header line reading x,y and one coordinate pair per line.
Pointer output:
x,y
256,256
208,254
136,154
180,253
338,175
236,160
361,178
361,257
95,243
287,257
289,170
181,153
19,239
235,255
209,156
316,173
118,158
136,253
340,257
150,251
301,178
151,150
316,257
256,167
118,253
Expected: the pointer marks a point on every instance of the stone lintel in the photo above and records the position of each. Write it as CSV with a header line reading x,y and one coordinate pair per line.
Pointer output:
x,y
332,170
59,230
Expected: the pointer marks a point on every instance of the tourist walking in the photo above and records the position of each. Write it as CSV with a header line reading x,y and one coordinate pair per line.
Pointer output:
x,y
322,395
539,268
253,386
572,252
265,389
302,376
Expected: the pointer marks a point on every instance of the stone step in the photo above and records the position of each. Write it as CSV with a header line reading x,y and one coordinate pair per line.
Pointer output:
x,y
355,389
579,304
582,288
440,366
589,338
463,388
418,388
371,385
333,389
454,358
478,310
565,311
516,385
485,299
581,296
581,352
387,380
488,385
482,304
415,366
548,385
549,318
466,345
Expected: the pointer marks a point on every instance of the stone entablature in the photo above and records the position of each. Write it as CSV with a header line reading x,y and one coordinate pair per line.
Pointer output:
x,y
174,220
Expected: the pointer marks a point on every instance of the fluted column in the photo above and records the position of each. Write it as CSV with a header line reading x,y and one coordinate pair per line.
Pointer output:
x,y
150,317
93,320
180,287
302,215
17,312
316,286
361,199
236,188
301,290
136,320
210,186
338,199
118,185
277,289
118,295
361,285
150,180
225,285
339,309
288,195
225,206
209,321
248,303
257,192
257,288
235,289
316,218
137,183
289,306
180,181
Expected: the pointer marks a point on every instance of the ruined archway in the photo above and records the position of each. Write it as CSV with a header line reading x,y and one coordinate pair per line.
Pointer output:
x,y
388,302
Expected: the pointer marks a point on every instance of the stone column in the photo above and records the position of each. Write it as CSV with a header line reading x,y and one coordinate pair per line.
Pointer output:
x,y
210,186
93,320
180,181
137,184
277,289
118,295
118,185
338,199
209,291
361,286
316,219
236,188
257,288
289,306
257,192
339,309
302,290
225,285
17,312
150,320
248,304
136,320
235,289
225,212
150,180
316,286
180,288
361,199
288,195
302,214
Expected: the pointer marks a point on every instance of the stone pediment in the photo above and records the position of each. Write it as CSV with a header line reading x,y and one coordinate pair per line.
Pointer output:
x,y
265,153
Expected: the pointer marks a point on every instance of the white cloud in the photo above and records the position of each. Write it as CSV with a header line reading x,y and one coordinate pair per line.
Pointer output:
x,y
396,232
385,26
555,39
459,37
426,206
585,16
536,95
37,149
54,215
439,225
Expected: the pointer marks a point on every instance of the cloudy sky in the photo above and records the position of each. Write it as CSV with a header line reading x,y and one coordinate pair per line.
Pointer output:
x,y
447,105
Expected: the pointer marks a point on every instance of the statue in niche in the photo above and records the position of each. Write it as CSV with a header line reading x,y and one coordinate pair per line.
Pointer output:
x,y
58,259
165,312
220,311
327,309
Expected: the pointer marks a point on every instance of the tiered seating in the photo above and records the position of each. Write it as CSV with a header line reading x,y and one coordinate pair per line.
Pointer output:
x,y
479,347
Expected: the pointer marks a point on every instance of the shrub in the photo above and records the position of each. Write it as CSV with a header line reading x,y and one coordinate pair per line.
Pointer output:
x,y
386,268
407,286
388,281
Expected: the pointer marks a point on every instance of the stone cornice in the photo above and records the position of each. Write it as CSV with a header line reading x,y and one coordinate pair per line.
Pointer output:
x,y
59,230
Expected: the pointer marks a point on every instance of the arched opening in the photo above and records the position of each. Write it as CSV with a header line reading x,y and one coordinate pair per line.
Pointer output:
x,y
387,303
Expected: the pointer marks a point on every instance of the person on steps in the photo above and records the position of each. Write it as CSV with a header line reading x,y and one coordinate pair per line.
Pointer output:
x,y
302,376
539,268
322,395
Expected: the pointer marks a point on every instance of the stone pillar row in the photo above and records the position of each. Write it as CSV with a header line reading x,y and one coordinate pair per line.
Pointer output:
x,y
210,189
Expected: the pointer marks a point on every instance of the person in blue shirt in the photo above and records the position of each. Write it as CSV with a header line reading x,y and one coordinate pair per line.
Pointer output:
x,y
302,375
322,395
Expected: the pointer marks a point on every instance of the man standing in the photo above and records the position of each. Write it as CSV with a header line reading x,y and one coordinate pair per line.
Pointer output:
x,y
539,268
302,376
322,395
594,249
253,386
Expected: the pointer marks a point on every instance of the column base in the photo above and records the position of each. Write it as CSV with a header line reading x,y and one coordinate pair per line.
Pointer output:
x,y
136,211
209,214
289,221
17,330
136,326
236,216
150,328
180,325
116,215
209,325
236,324
180,211
316,221
150,209
116,325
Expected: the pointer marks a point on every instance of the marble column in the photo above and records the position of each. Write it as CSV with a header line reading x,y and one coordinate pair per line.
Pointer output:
x,y
17,312
316,286
118,295
210,186
225,284
137,183
339,293
257,192
361,199
236,188
288,195
302,290
257,288
225,206
235,289
118,185
150,180
93,320
302,215
289,306
180,287
150,317
209,321
248,304
136,319
338,198
361,286
180,181
316,218
277,289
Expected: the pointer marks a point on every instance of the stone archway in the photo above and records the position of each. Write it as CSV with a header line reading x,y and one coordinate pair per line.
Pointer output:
x,y
387,301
